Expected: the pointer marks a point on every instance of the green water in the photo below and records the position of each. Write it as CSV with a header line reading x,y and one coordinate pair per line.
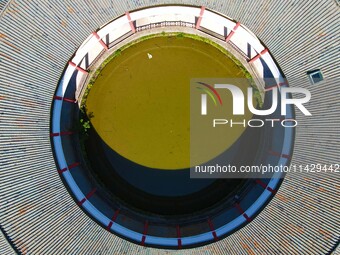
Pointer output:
x,y
141,105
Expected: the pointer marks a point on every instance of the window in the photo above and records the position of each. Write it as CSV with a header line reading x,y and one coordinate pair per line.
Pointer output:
x,y
315,76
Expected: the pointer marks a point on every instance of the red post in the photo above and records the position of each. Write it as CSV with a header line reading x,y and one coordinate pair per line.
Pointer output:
x,y
69,167
212,230
62,170
133,29
274,153
198,24
263,185
238,207
146,225
114,217
258,56
179,239
90,194
100,40
270,88
276,85
77,67
61,133
64,99
74,165
232,31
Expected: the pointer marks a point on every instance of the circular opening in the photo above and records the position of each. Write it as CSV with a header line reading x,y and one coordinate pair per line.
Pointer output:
x,y
139,104
128,166
139,109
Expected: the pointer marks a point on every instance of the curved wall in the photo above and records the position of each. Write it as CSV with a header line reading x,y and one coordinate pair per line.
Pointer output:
x,y
36,211
104,42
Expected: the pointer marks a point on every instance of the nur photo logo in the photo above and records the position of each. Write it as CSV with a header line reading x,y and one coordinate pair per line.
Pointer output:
x,y
274,100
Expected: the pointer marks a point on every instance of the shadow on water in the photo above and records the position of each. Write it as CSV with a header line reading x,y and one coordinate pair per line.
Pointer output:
x,y
168,192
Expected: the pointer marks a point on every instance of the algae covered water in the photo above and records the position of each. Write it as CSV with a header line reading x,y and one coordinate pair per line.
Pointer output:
x,y
140,102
